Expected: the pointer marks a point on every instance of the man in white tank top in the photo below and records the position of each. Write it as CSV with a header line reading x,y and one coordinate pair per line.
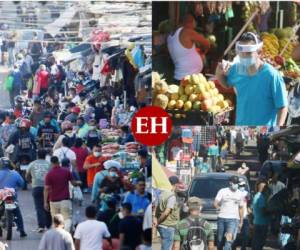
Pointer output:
x,y
182,49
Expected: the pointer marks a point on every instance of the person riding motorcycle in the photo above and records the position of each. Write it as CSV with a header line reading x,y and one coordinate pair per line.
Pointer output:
x,y
47,131
23,142
12,179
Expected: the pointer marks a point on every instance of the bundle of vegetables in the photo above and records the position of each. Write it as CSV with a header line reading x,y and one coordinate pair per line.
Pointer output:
x,y
291,69
132,147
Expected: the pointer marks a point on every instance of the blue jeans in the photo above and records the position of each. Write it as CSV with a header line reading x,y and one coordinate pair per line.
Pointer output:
x,y
167,237
43,216
19,219
226,226
243,237
259,237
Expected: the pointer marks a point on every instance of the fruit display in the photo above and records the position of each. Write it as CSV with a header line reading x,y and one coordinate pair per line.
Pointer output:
x,y
275,42
194,93
160,89
271,45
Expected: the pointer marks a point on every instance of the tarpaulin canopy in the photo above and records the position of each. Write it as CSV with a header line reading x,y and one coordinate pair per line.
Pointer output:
x,y
64,20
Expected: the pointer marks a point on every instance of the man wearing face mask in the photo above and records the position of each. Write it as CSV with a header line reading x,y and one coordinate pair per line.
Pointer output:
x,y
83,127
111,184
93,136
47,132
256,83
23,141
94,164
167,215
205,234
229,201
245,227
106,108
139,198
261,217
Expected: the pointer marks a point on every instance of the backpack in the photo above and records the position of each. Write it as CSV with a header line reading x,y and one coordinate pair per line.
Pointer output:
x,y
36,48
196,237
71,140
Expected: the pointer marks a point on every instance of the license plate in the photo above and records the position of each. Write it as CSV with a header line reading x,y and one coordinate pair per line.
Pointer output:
x,y
23,167
10,206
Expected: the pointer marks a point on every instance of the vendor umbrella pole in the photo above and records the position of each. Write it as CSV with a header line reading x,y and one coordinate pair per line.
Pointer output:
x,y
240,32
125,101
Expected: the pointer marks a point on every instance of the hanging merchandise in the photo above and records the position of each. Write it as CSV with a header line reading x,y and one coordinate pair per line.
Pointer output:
x,y
98,37
187,135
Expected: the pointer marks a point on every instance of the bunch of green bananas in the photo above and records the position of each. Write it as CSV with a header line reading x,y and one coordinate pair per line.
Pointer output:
x,y
288,51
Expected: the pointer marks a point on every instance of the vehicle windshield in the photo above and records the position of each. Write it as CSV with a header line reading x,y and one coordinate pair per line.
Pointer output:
x,y
207,188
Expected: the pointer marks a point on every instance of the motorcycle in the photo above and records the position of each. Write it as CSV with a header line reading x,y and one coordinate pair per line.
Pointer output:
x,y
23,166
7,206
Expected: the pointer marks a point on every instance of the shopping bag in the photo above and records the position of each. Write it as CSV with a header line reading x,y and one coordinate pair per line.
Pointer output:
x,y
30,84
8,83
77,194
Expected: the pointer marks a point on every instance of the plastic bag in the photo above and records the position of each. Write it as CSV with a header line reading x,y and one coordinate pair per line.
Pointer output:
x,y
77,194
8,83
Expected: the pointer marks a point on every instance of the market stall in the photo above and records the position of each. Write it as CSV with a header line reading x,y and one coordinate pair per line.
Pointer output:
x,y
223,24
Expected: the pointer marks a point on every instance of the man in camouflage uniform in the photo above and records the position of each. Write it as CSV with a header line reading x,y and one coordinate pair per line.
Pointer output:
x,y
183,226
167,215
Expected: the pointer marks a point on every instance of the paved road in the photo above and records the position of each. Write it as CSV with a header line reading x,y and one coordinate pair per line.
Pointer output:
x,y
4,97
31,242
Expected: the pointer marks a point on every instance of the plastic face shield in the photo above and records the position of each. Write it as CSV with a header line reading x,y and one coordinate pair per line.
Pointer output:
x,y
245,48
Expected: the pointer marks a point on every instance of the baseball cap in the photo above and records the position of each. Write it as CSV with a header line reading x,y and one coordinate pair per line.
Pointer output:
x,y
234,179
242,182
173,180
194,202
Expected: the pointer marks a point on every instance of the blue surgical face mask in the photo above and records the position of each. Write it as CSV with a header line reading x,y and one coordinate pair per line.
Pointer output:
x,y
247,61
242,189
234,187
113,174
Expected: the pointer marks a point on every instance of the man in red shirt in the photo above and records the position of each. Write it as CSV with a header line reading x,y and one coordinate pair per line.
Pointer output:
x,y
42,77
94,164
81,154
57,193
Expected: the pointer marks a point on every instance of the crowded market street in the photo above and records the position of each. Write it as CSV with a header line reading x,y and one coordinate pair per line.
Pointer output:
x,y
72,76
204,160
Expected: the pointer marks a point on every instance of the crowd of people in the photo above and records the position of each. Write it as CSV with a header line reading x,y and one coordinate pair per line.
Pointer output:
x,y
242,220
52,138
246,211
